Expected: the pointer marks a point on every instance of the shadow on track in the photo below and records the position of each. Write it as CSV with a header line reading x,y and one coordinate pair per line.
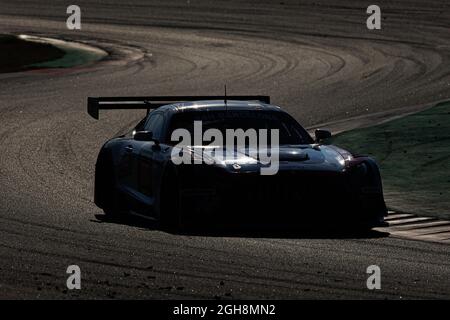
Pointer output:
x,y
259,231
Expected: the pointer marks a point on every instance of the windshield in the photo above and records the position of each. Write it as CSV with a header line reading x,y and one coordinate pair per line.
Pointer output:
x,y
290,132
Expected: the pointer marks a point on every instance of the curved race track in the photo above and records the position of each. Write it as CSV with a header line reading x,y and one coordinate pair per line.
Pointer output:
x,y
315,59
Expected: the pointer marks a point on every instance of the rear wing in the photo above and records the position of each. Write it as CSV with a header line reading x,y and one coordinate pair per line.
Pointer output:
x,y
148,103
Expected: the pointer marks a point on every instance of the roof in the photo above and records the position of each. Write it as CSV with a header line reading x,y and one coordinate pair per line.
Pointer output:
x,y
218,105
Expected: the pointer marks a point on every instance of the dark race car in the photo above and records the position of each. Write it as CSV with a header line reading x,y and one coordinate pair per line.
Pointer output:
x,y
314,183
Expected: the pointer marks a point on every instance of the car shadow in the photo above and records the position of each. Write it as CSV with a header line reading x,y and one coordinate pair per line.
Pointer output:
x,y
127,220
258,231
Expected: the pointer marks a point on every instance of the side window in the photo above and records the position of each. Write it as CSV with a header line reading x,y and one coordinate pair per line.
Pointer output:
x,y
155,124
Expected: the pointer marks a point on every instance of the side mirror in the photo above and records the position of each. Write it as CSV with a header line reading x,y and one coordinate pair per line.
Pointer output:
x,y
322,134
143,136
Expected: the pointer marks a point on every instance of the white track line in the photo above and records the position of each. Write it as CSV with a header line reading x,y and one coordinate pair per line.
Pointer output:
x,y
409,221
410,226
398,216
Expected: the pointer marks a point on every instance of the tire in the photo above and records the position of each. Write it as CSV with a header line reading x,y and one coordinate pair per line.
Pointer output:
x,y
106,194
169,204
113,210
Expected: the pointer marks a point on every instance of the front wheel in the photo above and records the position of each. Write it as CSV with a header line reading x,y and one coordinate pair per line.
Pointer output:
x,y
106,195
113,208
169,207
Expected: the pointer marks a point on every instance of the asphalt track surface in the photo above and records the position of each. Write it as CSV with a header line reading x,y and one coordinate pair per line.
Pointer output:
x,y
316,59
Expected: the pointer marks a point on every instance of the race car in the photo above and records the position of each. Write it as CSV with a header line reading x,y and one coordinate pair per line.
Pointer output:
x,y
314,183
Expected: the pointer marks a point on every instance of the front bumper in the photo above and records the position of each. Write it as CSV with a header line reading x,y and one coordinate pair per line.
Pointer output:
x,y
289,198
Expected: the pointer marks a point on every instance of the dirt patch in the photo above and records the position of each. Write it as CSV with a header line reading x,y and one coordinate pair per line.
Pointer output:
x,y
17,54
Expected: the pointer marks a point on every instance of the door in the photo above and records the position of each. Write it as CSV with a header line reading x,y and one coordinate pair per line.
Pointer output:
x,y
148,153
128,168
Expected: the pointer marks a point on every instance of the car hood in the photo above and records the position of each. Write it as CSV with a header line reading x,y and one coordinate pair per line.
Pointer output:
x,y
305,157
